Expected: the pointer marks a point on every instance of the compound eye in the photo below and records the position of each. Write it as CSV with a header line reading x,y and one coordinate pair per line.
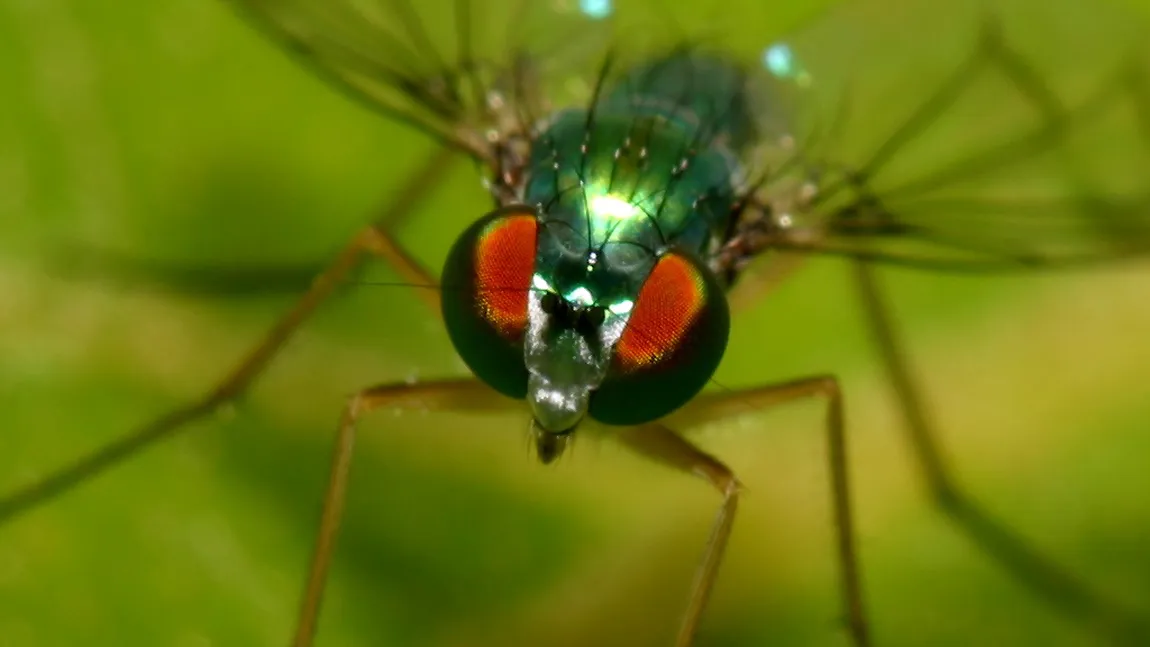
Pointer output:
x,y
672,344
486,283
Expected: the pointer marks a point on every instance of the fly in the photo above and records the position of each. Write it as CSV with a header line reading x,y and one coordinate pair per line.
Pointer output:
x,y
644,190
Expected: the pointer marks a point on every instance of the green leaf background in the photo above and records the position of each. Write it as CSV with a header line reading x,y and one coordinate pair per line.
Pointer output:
x,y
167,130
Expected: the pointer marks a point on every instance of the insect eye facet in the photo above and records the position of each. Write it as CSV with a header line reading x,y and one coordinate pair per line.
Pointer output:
x,y
672,344
486,283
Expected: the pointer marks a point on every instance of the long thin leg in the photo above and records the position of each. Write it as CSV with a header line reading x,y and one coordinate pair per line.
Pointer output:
x,y
1063,592
864,212
664,445
373,239
465,395
1117,222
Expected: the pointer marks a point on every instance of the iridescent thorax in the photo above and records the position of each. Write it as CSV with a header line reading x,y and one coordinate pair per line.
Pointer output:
x,y
644,179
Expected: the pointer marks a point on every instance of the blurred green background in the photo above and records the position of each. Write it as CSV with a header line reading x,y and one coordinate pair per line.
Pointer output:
x,y
168,130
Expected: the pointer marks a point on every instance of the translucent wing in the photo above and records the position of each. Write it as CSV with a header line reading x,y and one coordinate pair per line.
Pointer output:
x,y
973,136
446,67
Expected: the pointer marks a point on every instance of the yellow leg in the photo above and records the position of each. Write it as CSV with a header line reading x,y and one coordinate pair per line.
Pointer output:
x,y
372,240
449,395
660,443
1064,593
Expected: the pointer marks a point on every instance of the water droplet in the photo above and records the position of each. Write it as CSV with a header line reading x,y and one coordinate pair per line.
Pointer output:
x,y
596,9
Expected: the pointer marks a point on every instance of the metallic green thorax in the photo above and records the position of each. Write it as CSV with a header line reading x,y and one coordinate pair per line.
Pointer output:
x,y
649,168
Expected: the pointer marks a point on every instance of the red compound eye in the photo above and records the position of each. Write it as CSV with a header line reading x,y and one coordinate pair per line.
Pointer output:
x,y
504,261
672,344
486,283
670,302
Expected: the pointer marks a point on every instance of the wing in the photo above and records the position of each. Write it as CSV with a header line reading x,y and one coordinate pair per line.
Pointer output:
x,y
969,136
452,69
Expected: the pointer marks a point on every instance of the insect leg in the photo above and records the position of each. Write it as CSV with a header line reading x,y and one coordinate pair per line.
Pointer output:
x,y
1065,593
667,447
373,239
864,214
453,395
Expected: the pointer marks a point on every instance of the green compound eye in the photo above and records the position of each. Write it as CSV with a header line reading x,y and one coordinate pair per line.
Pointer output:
x,y
671,346
486,283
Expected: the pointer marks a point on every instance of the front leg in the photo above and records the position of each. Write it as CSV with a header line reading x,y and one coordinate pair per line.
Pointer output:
x,y
660,443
